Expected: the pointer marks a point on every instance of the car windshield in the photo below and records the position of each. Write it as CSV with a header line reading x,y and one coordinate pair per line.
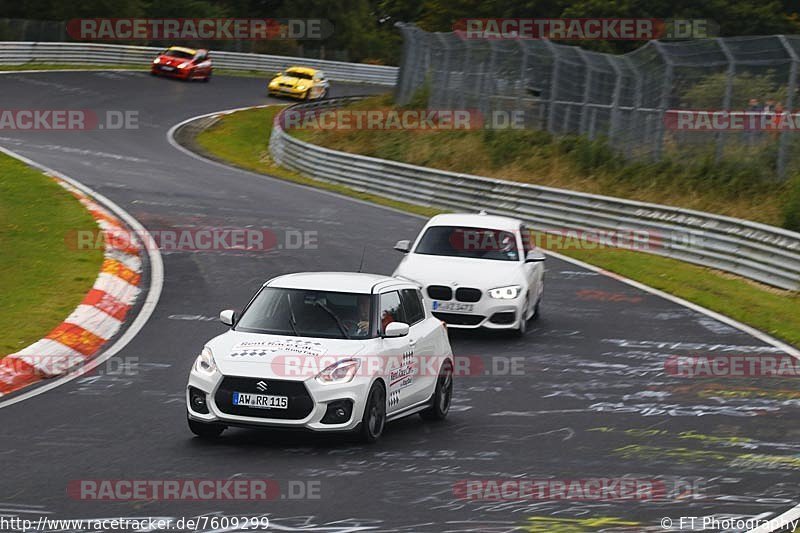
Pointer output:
x,y
298,74
473,243
180,54
307,313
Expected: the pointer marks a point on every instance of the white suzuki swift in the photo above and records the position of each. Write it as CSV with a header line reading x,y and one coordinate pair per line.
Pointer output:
x,y
324,351
477,270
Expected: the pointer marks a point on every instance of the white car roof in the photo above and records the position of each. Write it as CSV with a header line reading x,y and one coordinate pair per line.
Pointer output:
x,y
474,220
356,282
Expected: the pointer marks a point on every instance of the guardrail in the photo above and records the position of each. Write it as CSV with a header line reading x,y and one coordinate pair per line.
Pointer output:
x,y
757,251
19,53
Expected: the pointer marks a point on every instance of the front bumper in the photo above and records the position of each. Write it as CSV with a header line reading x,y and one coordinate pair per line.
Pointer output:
x,y
288,91
487,313
308,402
181,73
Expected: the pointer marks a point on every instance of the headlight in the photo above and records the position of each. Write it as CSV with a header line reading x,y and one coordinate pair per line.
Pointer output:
x,y
301,87
505,293
183,65
205,362
157,60
340,372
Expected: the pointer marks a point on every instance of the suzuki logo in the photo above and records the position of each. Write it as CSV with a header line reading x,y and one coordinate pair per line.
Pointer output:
x,y
262,386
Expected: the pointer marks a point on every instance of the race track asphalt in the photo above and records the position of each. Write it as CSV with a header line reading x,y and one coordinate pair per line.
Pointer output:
x,y
592,399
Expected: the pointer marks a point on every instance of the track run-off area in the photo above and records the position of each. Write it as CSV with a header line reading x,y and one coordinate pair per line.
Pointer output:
x,y
583,395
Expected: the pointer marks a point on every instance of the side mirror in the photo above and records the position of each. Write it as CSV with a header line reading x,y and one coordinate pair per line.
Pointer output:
x,y
535,256
227,317
403,246
396,329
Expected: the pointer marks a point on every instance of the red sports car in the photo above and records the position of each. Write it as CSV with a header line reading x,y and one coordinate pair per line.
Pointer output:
x,y
182,63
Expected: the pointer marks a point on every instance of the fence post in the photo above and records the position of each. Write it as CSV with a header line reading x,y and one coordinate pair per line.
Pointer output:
x,y
726,101
613,126
587,82
664,102
551,112
440,93
522,76
784,141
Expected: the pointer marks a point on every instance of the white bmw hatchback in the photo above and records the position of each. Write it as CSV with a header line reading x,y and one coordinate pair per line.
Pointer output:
x,y
477,270
327,352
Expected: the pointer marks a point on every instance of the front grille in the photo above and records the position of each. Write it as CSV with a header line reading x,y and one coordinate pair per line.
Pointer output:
x,y
466,294
506,317
300,402
440,292
458,319
286,85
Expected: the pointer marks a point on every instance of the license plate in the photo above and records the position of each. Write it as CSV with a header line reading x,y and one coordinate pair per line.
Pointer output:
x,y
169,69
453,307
260,401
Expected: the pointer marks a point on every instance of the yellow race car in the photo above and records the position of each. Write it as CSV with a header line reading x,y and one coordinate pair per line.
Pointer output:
x,y
303,83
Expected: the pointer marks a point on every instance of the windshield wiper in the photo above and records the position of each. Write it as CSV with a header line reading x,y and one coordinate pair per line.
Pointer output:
x,y
292,318
334,317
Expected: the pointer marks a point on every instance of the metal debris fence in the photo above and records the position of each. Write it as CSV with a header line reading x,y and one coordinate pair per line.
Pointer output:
x,y
621,98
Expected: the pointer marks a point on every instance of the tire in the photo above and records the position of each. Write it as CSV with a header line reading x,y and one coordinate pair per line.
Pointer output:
x,y
523,322
306,96
207,78
374,419
442,395
536,310
204,430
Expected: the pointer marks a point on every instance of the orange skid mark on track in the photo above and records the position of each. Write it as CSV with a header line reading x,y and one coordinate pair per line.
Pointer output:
x,y
603,296
547,524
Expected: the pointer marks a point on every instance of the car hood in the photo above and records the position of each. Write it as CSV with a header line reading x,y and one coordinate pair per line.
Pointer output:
x,y
291,80
239,353
172,61
444,270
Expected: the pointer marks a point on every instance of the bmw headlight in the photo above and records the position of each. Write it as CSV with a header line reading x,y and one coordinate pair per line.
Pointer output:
x,y
339,372
505,293
205,362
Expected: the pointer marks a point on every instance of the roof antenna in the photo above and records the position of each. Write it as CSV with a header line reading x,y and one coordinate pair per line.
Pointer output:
x,y
363,252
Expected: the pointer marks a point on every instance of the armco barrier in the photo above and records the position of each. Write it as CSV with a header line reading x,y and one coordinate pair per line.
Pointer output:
x,y
19,53
757,251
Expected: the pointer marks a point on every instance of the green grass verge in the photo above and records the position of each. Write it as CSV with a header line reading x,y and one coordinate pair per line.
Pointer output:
x,y
242,139
42,279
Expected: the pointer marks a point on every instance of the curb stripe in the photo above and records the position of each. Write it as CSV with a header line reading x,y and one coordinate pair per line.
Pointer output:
x,y
106,303
96,319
